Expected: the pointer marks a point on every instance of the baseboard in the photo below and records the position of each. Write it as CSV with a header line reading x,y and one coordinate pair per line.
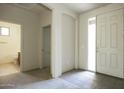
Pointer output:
x,y
6,63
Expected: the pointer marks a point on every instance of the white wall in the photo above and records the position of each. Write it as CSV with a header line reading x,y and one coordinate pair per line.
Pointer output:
x,y
83,31
57,11
10,45
29,27
68,43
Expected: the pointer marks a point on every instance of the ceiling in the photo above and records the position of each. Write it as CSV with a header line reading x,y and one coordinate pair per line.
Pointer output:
x,y
83,7
34,7
76,7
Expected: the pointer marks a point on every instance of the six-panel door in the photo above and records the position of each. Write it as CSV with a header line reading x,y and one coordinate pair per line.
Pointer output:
x,y
110,43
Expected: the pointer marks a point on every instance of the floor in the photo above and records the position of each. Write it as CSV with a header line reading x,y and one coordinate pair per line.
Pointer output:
x,y
8,68
75,79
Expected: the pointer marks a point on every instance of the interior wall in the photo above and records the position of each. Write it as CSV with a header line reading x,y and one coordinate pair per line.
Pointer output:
x,y
83,31
68,43
46,18
10,45
57,11
30,26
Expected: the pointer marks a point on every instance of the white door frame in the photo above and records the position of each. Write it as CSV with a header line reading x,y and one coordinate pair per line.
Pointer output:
x,y
50,46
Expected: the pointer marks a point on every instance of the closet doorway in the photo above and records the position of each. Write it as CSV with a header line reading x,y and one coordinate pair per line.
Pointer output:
x,y
46,50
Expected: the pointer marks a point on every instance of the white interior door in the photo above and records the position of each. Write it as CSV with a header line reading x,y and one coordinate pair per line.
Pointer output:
x,y
68,43
110,43
46,46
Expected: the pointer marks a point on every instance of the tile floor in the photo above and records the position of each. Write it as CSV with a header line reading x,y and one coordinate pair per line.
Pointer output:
x,y
8,68
75,79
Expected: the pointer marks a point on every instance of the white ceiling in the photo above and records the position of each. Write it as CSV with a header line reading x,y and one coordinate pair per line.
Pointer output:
x,y
83,7
37,8
76,7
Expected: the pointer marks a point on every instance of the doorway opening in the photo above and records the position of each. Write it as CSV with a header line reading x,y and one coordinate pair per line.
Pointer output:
x,y
92,44
46,48
10,48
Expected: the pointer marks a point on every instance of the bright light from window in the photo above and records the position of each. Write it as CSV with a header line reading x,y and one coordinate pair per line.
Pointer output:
x,y
4,31
92,44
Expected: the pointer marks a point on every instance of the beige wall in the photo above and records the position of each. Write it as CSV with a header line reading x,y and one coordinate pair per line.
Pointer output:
x,y
83,31
30,26
10,45
46,18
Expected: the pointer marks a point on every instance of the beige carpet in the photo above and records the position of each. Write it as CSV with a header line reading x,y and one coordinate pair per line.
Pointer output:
x,y
8,68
